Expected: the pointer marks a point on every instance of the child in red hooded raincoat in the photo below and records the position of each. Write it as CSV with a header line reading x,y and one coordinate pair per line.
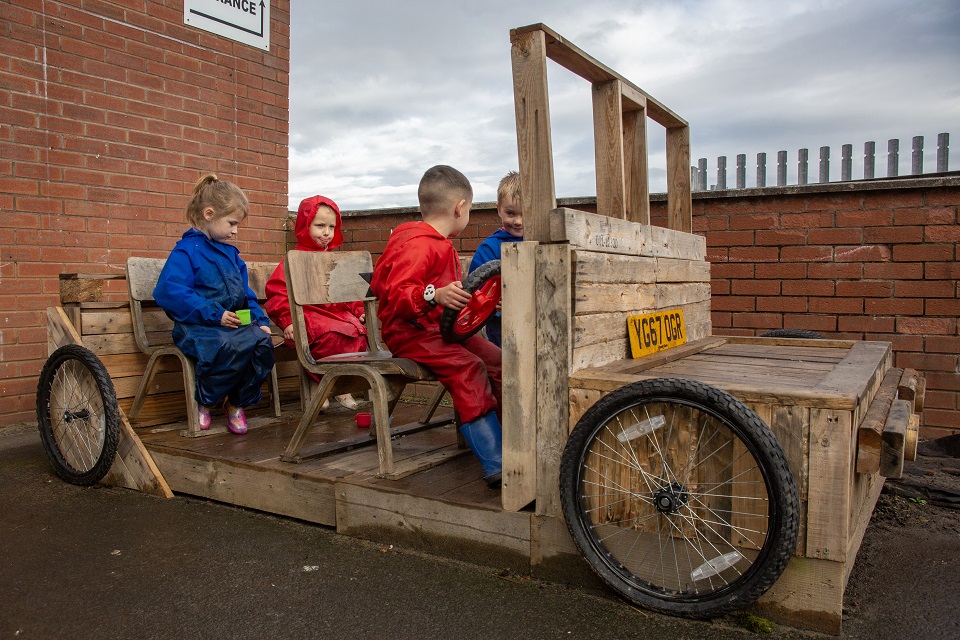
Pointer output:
x,y
331,328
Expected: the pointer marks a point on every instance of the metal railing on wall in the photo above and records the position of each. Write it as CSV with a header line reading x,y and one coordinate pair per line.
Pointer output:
x,y
699,180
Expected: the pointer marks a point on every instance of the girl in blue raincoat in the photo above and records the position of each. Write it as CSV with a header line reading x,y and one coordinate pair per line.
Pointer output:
x,y
201,287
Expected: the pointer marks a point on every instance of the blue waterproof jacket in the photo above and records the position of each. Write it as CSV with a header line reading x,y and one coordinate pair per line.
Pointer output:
x,y
200,280
489,250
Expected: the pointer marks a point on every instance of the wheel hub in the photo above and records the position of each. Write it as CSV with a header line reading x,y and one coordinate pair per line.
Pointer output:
x,y
670,499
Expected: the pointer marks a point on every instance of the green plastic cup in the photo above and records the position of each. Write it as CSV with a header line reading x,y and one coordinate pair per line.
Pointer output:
x,y
244,315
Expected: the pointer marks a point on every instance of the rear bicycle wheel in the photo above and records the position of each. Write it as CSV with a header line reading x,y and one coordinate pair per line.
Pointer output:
x,y
78,415
679,497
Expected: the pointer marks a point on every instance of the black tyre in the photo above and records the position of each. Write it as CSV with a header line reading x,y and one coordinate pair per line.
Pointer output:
x,y
78,415
483,285
679,497
792,333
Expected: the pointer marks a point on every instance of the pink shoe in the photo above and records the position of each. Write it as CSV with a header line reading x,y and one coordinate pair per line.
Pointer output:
x,y
203,417
236,419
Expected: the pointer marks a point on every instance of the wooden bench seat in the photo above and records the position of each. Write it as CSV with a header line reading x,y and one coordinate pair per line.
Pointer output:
x,y
152,332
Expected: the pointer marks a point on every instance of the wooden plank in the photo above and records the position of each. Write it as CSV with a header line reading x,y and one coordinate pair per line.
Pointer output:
x,y
828,494
534,145
590,298
569,56
594,232
133,467
592,267
893,439
683,270
60,331
907,389
635,169
870,430
553,369
791,425
608,148
846,345
679,198
73,290
912,438
500,538
857,370
256,487
519,404
809,595
662,242
654,360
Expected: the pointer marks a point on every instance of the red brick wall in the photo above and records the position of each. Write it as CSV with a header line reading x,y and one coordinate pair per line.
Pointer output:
x,y
864,261
110,110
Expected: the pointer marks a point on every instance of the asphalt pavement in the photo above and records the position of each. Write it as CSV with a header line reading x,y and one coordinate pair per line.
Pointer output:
x,y
101,562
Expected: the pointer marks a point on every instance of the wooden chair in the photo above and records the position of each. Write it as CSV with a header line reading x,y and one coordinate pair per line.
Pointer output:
x,y
315,278
152,334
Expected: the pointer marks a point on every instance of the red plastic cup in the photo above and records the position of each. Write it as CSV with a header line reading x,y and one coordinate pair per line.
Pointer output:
x,y
362,419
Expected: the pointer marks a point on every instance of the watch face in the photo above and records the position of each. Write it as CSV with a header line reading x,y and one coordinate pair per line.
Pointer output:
x,y
429,293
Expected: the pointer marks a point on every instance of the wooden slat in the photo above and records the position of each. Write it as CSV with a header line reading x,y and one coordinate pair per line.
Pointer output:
x,y
893,439
569,56
553,367
679,197
608,149
60,331
595,232
635,167
534,144
142,276
518,265
870,430
829,493
857,370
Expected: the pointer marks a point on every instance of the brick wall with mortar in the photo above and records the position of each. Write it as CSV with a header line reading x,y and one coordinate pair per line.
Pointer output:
x,y
110,110
869,260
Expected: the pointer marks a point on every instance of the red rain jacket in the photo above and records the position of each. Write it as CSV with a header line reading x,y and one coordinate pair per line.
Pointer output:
x,y
331,328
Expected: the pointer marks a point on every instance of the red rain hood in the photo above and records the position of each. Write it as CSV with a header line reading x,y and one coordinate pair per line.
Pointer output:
x,y
305,215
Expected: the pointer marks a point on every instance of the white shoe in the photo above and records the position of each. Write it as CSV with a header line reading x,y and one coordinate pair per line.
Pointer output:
x,y
346,400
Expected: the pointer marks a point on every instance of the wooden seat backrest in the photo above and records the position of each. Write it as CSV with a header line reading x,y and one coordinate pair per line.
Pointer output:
x,y
151,326
315,278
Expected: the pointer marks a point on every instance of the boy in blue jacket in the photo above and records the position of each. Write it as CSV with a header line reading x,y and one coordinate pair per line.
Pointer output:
x,y
510,210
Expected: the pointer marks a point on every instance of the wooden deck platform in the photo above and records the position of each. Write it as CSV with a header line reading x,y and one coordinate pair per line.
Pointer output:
x,y
441,504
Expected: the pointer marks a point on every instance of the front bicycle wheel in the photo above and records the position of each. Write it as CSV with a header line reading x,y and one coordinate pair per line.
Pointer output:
x,y
679,497
78,415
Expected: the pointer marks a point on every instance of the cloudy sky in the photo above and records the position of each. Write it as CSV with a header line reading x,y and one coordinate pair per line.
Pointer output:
x,y
380,90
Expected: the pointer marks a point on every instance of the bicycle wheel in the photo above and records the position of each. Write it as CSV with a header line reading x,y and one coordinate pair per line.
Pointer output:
x,y
78,415
679,497
483,285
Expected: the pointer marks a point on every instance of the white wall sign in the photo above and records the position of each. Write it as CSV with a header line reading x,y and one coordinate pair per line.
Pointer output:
x,y
246,21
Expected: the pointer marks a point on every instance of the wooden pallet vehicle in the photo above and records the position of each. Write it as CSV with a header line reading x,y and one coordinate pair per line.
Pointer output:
x,y
693,473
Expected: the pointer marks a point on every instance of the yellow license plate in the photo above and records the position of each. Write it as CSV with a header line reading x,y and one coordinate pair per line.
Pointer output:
x,y
653,332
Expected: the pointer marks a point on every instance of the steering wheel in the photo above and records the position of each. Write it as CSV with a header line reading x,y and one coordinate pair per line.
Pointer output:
x,y
483,285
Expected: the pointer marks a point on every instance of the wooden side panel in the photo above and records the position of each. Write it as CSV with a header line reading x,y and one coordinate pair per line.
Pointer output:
x,y
553,369
534,144
518,266
296,496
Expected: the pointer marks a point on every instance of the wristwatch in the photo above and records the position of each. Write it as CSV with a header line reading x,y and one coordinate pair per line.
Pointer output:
x,y
429,293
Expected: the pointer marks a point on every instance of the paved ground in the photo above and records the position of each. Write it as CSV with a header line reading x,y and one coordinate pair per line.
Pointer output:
x,y
112,563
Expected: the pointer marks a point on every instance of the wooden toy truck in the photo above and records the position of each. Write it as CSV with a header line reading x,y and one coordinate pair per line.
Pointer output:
x,y
707,473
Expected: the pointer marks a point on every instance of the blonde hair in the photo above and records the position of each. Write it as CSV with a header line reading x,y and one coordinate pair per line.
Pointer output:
x,y
440,187
222,196
509,187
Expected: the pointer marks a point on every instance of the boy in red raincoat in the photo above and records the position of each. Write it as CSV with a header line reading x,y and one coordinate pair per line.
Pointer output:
x,y
415,278
331,328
